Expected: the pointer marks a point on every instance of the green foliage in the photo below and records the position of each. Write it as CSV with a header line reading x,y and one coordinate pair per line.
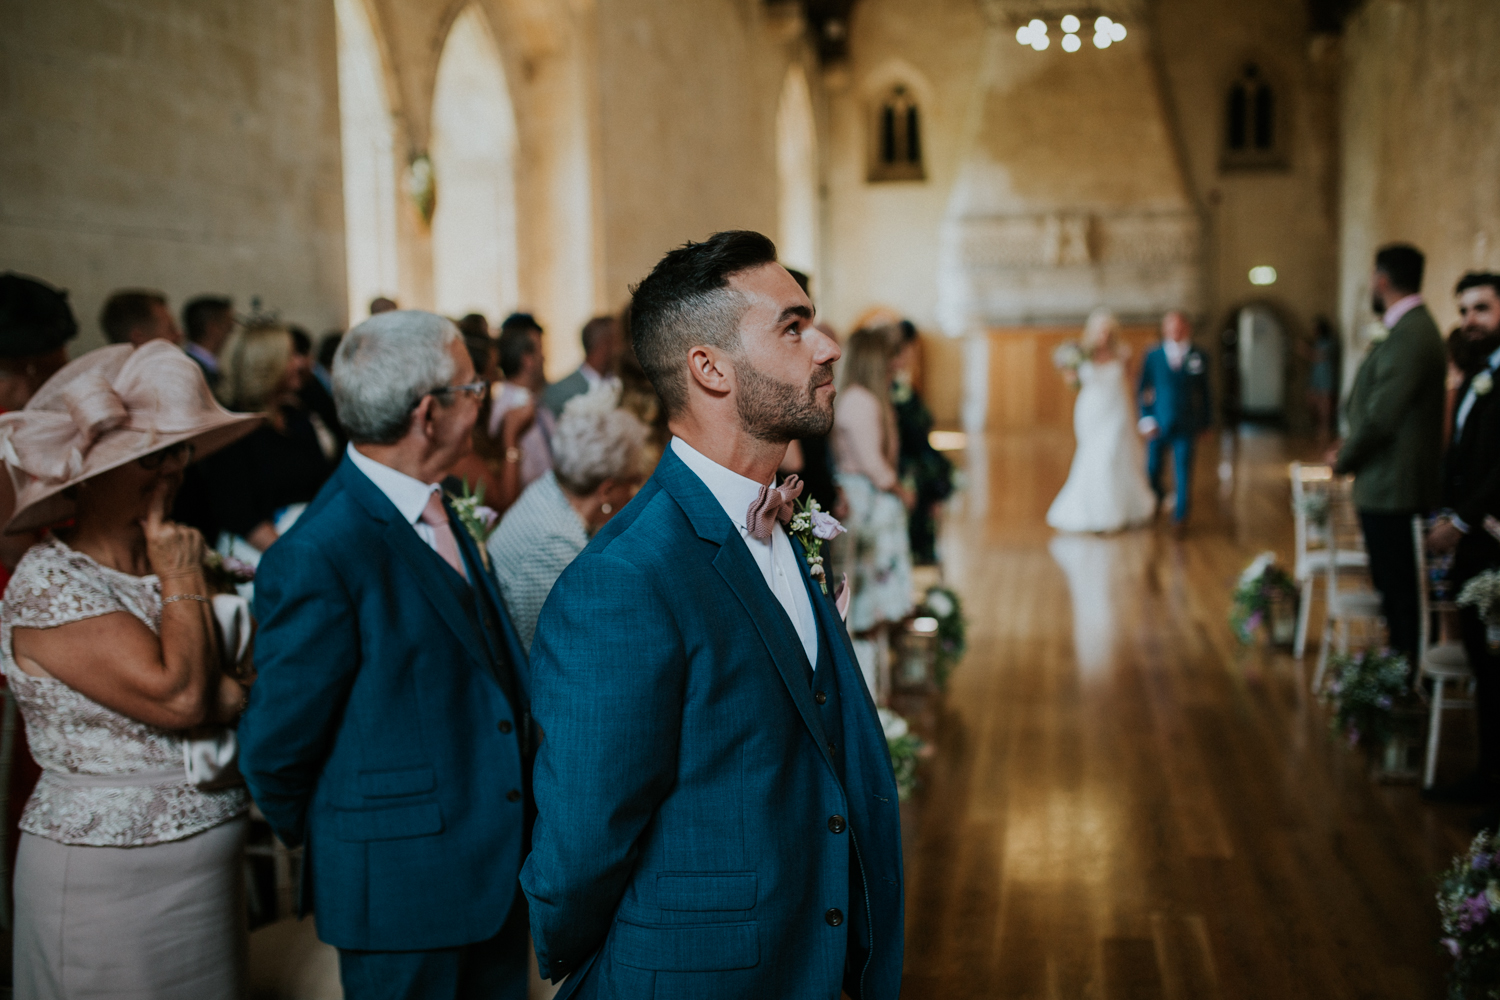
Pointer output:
x,y
1262,584
952,631
1469,902
1362,690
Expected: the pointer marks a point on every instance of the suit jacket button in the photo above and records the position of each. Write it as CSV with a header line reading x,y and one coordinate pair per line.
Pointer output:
x,y
820,697
836,824
514,795
833,748
834,917
505,726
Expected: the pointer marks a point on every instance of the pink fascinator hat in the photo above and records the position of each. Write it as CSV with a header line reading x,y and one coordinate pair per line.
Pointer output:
x,y
111,406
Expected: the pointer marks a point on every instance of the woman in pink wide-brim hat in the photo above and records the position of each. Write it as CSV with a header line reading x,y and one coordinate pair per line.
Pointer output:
x,y
128,875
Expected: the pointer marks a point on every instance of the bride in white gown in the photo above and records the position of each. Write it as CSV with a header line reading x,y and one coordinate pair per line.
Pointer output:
x,y
1106,488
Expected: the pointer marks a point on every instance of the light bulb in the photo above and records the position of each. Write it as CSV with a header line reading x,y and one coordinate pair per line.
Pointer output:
x,y
1070,43
1037,26
1023,34
1102,24
1040,42
1117,31
1071,24
1101,41
1264,274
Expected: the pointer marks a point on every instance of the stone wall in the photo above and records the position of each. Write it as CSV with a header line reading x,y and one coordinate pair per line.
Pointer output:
x,y
1420,151
186,145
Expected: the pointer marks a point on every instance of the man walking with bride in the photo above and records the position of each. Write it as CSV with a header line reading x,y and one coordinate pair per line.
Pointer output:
x,y
717,816
1107,489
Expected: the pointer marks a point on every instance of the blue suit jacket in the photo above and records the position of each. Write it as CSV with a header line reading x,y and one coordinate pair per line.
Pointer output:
x,y
1178,400
686,842
377,732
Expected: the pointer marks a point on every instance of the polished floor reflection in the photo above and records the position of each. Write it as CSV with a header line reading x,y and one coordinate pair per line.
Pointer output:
x,y
1125,803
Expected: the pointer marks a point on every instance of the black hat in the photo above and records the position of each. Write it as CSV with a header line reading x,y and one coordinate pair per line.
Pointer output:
x,y
35,318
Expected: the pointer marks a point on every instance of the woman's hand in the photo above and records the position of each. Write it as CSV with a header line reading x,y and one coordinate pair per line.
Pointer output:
x,y
174,550
515,423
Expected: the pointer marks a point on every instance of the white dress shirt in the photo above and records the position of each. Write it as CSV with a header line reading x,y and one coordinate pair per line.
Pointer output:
x,y
1176,351
777,559
408,494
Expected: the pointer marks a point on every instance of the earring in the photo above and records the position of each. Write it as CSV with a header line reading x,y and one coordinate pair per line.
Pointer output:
x,y
605,508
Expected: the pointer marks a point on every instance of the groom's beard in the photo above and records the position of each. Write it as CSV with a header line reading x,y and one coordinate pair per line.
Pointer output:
x,y
776,411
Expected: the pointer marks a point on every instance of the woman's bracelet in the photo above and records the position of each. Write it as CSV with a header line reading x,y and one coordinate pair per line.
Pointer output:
x,y
184,597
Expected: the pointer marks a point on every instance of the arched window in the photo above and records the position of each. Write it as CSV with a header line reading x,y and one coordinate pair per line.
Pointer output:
x,y
1251,122
797,174
474,258
369,149
896,153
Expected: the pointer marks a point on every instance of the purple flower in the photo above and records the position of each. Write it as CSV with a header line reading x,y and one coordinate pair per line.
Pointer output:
x,y
826,526
1482,861
488,516
1472,911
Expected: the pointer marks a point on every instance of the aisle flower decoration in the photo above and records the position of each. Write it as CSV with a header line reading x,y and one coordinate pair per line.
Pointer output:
x,y
1469,902
478,520
906,749
1261,585
943,605
1067,358
1362,690
1482,593
1315,508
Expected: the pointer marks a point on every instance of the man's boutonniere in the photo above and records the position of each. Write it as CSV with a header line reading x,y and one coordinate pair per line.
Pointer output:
x,y
1377,332
478,520
811,526
1483,383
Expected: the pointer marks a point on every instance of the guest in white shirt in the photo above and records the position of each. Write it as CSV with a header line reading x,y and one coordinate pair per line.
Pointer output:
x,y
603,343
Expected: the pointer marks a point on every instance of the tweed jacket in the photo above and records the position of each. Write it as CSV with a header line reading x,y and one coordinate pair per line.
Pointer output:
x,y
1395,413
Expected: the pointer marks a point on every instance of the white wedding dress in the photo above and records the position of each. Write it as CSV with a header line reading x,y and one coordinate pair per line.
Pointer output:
x,y
1106,488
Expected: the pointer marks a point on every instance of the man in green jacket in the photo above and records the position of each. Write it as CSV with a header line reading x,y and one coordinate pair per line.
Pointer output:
x,y
1395,443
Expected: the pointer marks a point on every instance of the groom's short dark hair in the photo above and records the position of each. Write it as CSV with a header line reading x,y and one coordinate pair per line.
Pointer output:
x,y
686,301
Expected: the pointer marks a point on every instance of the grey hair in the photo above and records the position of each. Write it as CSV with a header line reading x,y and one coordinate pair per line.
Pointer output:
x,y
595,440
384,366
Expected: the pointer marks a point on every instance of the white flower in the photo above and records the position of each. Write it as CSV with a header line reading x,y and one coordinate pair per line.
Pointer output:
x,y
1376,332
1483,383
895,727
1261,563
939,603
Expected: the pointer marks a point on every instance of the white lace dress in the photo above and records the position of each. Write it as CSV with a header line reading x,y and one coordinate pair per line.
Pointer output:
x,y
128,878
1107,488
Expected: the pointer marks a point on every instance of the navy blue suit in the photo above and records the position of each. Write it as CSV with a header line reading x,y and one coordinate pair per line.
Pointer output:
x,y
385,730
717,817
1179,402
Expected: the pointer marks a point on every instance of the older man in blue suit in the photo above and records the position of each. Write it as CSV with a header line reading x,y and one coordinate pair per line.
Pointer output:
x,y
388,730
1175,409
717,815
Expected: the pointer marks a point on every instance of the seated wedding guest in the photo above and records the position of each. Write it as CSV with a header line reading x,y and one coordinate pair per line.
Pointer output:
x,y
865,447
207,320
596,470
129,877
381,304
314,399
514,401
920,463
389,729
258,486
602,344
137,315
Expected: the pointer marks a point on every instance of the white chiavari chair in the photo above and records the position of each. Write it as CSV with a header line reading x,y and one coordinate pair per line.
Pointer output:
x,y
1442,659
1346,562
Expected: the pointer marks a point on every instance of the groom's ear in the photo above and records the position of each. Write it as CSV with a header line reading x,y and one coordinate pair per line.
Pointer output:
x,y
711,369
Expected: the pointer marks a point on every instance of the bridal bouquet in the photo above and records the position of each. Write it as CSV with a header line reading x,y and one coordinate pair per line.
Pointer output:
x,y
1067,359
1482,593
1262,585
1469,902
1362,691
905,749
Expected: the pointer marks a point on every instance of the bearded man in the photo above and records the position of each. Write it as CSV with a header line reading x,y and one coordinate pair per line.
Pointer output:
x,y
1471,498
717,815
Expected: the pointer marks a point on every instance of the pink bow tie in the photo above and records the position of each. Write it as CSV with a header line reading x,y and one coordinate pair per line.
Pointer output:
x,y
772,504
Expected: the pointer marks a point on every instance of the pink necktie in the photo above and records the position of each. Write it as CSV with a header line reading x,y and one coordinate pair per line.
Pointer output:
x,y
772,504
436,517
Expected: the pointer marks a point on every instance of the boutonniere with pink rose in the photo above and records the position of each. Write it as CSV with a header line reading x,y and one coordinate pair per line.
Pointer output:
x,y
478,520
1483,383
812,526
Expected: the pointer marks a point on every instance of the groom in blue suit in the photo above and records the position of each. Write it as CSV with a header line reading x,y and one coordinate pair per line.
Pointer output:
x,y
388,729
717,815
1174,405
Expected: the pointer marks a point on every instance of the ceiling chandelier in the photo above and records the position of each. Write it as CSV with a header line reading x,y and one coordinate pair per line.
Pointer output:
x,y
1107,31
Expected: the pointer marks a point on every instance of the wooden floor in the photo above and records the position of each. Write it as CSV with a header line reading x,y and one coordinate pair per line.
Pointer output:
x,y
1124,803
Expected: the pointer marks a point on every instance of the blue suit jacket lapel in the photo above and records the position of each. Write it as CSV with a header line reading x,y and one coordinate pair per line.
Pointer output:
x,y
739,571
475,562
418,555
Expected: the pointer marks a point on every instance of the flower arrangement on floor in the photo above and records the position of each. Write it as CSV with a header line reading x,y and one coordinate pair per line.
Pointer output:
x,y
1067,358
952,630
1261,585
905,749
1362,690
1469,902
1482,593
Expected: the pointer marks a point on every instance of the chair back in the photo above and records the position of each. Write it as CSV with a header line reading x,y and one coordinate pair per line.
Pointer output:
x,y
1343,538
1424,595
1310,534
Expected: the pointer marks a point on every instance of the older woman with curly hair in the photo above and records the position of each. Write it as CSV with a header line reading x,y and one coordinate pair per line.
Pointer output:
x,y
597,451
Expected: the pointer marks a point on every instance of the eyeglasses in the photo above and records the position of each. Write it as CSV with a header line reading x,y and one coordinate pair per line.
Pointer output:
x,y
477,390
155,460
